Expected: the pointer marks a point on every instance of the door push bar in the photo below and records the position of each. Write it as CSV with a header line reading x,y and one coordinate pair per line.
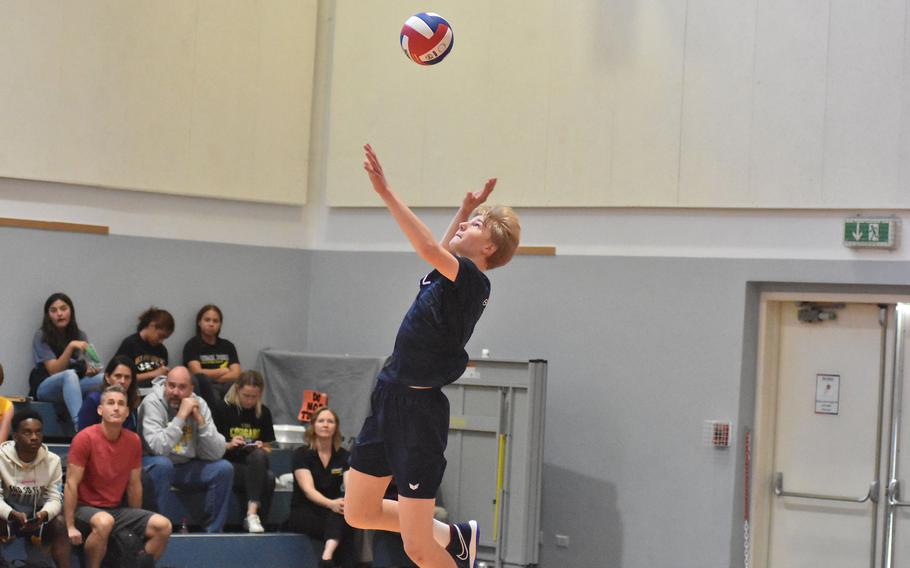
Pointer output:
x,y
894,495
871,495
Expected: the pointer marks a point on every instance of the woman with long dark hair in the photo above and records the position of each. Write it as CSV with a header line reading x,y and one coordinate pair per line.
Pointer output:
x,y
209,354
63,370
119,371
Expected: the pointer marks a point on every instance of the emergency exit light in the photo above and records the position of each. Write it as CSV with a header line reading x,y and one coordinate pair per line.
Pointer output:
x,y
871,232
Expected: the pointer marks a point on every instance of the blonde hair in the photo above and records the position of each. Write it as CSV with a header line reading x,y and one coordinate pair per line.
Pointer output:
x,y
505,232
247,379
309,436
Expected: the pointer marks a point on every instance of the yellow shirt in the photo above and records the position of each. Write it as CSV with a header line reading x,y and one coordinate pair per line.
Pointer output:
x,y
6,405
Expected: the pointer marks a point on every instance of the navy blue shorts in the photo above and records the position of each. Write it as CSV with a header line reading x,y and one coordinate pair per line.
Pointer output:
x,y
405,436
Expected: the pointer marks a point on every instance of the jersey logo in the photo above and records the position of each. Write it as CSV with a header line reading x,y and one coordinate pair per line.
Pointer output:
x,y
485,302
426,280
413,486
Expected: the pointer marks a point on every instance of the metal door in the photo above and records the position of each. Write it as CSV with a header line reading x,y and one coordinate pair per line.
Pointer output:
x,y
827,457
896,533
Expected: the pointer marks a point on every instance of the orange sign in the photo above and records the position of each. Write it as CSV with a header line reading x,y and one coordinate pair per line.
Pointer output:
x,y
312,401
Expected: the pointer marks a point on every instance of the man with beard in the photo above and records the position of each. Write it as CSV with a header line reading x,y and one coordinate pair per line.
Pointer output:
x,y
184,448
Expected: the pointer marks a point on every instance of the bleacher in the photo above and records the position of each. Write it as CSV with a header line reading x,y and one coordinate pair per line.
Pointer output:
x,y
236,548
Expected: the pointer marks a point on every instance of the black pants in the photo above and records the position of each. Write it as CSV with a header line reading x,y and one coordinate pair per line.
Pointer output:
x,y
319,523
253,479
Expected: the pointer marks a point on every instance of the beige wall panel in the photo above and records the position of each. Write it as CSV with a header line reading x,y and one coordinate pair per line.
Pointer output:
x,y
285,121
776,104
27,65
172,97
368,105
81,65
862,143
643,45
460,149
538,103
717,100
788,126
522,77
223,124
250,124
580,104
593,103
541,98
440,130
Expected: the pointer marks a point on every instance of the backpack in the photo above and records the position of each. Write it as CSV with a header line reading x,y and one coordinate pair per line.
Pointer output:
x,y
126,549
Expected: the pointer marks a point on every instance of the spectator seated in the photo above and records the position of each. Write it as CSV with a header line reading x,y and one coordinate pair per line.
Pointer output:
x,y
228,550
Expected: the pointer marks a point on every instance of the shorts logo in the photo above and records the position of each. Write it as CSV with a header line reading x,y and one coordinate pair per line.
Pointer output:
x,y
463,555
413,486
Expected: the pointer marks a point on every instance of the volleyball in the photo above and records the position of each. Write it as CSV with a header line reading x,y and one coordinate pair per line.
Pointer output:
x,y
426,38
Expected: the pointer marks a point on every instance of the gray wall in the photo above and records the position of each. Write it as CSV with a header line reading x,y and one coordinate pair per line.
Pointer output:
x,y
112,279
641,352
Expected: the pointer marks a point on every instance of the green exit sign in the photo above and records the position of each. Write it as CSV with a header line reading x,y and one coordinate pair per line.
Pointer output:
x,y
874,232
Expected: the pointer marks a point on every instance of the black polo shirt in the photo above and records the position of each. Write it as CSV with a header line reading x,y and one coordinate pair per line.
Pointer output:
x,y
327,480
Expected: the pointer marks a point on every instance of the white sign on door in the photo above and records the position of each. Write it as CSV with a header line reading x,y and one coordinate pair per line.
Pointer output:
x,y
827,394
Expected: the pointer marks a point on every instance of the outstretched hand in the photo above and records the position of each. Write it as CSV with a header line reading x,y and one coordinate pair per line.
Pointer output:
x,y
476,198
374,170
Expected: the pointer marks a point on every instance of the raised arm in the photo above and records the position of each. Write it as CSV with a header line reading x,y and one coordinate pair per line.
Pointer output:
x,y
422,240
472,201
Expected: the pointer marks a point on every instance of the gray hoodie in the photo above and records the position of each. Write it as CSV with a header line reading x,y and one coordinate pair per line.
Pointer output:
x,y
164,434
30,487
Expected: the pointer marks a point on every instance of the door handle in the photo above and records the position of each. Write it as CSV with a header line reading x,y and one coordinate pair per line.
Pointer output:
x,y
871,495
894,494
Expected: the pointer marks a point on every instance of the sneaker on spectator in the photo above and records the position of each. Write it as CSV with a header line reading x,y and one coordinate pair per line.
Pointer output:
x,y
252,524
463,546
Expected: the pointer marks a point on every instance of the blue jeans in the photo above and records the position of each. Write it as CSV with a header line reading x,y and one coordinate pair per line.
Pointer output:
x,y
66,387
213,477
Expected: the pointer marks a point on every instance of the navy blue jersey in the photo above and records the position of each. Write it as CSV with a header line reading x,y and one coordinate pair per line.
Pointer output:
x,y
429,349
